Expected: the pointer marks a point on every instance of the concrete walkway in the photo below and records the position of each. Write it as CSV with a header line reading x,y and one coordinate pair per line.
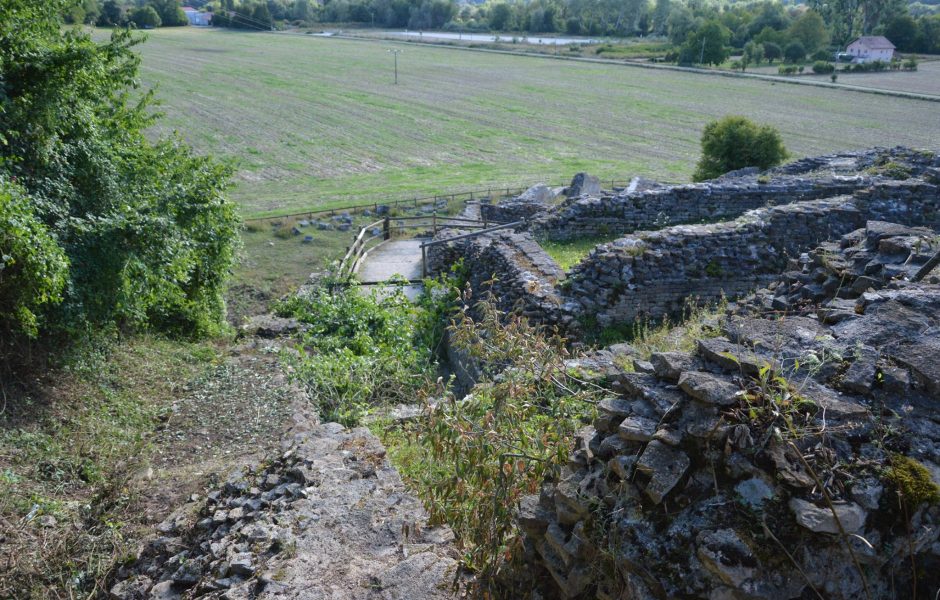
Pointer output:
x,y
394,258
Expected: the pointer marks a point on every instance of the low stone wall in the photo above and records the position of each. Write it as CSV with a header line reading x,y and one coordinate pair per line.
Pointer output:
x,y
515,210
512,266
681,489
653,273
694,203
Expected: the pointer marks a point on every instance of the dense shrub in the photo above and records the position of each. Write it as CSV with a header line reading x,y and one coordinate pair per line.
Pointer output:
x,y
772,51
148,233
363,351
822,67
794,52
145,17
32,265
734,143
786,69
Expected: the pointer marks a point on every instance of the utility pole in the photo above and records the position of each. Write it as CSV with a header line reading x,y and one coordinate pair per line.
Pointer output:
x,y
396,52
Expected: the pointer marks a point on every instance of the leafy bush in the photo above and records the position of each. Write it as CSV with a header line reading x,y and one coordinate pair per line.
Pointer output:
x,y
734,143
786,69
148,233
822,67
32,265
145,17
365,351
822,55
772,51
910,64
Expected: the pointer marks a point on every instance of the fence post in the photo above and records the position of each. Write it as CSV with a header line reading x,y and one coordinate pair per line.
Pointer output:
x,y
386,228
424,262
434,222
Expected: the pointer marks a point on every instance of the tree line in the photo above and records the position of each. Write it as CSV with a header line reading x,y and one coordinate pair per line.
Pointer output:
x,y
816,25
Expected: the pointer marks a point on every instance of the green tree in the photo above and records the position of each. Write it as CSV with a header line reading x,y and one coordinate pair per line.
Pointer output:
x,y
810,30
928,35
33,267
661,16
707,45
145,17
171,14
772,51
772,16
261,16
794,52
735,142
500,16
146,228
753,54
111,14
902,31
679,24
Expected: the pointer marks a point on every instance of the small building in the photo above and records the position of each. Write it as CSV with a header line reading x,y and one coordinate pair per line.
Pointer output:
x,y
870,48
197,18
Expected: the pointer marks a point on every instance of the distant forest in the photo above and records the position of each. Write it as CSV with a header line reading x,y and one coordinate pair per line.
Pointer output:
x,y
819,25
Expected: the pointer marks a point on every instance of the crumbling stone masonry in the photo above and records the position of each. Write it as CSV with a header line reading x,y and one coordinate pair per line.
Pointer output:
x,y
706,477
653,273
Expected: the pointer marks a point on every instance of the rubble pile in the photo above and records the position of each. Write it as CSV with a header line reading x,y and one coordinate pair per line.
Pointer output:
x,y
328,518
792,455
871,258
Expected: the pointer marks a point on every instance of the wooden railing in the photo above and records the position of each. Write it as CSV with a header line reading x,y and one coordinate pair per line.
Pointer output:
x,y
493,193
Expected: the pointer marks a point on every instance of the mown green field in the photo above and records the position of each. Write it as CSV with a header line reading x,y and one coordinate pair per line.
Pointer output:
x,y
316,121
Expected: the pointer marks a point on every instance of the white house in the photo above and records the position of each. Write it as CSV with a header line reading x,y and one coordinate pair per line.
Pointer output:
x,y
197,18
870,48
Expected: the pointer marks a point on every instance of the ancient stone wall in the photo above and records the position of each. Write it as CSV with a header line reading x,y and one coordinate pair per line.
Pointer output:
x,y
694,203
700,480
512,266
509,212
653,273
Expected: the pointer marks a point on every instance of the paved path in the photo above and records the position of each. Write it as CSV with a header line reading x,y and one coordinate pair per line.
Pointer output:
x,y
399,257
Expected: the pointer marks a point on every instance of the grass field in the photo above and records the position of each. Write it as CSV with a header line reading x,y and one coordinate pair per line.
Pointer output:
x,y
316,121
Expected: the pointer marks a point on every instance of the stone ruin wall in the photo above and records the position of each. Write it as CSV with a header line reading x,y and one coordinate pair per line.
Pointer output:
x,y
510,212
511,266
675,492
694,203
653,273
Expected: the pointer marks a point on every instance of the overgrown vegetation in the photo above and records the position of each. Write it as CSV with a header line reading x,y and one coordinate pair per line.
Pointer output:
x,y
127,232
484,451
472,458
71,456
364,351
696,321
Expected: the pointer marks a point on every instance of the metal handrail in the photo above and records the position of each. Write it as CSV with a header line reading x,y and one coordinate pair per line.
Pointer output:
x,y
357,251
426,245
471,234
